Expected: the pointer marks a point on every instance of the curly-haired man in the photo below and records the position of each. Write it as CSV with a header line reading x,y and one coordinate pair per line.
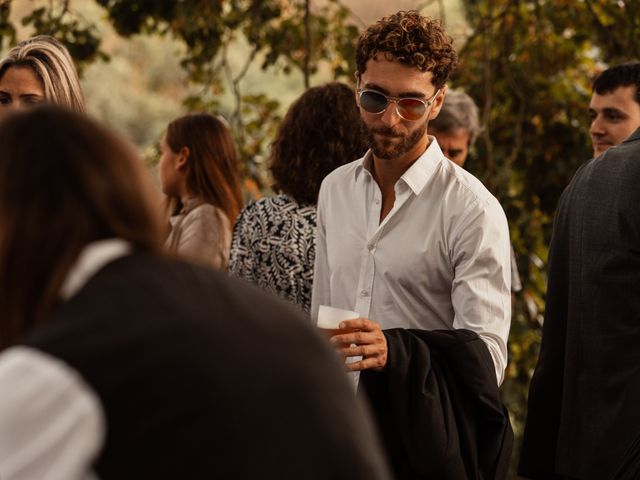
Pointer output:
x,y
417,247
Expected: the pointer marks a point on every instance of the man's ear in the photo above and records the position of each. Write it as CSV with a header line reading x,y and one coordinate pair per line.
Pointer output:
x,y
438,102
183,158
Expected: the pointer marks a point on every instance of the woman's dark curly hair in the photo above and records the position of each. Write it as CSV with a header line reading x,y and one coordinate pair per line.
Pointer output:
x,y
411,39
321,131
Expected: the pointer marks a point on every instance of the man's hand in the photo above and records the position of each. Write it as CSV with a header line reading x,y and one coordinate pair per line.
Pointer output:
x,y
370,343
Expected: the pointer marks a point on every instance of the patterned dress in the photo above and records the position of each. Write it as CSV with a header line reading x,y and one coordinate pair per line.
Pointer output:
x,y
273,246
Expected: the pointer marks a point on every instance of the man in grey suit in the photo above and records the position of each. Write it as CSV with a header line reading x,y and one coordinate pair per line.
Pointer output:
x,y
585,392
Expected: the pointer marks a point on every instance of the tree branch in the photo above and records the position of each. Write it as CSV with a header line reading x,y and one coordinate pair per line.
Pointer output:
x,y
485,24
235,82
307,32
488,97
595,16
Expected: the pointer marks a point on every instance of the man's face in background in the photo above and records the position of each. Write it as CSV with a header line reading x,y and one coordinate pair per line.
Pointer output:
x,y
614,116
454,144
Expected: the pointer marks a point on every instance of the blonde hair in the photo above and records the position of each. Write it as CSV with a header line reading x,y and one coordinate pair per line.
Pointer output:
x,y
51,62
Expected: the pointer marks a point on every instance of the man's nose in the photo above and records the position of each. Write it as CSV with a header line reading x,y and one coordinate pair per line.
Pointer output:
x,y
597,126
390,116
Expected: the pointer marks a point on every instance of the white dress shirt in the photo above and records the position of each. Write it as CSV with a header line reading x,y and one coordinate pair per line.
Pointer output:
x,y
440,259
52,424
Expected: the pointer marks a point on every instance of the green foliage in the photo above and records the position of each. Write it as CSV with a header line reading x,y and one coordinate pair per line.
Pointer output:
x,y
278,29
612,26
200,24
58,21
261,118
7,30
286,35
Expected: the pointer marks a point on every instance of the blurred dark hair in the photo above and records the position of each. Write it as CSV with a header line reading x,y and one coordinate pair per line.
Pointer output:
x,y
321,131
65,181
623,75
212,168
411,39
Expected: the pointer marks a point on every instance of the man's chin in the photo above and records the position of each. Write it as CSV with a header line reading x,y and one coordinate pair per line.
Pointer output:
x,y
388,146
388,150
600,148
384,153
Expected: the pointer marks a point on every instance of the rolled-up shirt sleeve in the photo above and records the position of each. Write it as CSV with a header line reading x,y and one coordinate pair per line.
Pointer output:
x,y
51,423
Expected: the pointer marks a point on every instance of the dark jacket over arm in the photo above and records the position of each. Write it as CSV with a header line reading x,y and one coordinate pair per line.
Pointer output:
x,y
438,406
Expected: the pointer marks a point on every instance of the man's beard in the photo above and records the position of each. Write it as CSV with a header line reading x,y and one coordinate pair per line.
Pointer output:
x,y
387,148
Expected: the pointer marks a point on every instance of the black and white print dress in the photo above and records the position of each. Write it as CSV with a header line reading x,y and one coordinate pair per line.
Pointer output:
x,y
273,246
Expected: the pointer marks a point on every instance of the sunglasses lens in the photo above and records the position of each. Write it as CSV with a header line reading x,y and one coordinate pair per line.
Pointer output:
x,y
373,102
411,109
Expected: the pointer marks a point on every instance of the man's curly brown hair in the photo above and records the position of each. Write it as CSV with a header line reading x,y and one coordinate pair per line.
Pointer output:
x,y
411,39
321,131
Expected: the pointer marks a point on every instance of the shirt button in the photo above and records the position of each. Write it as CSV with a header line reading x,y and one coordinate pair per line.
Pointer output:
x,y
364,293
377,201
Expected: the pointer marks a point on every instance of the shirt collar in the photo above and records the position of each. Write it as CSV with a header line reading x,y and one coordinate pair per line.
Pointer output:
x,y
93,257
418,173
362,165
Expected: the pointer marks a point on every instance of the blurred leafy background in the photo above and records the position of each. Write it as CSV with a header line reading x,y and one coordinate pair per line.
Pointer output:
x,y
527,63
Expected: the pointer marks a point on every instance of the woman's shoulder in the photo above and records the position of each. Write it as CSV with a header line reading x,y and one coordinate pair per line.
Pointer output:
x,y
268,206
273,201
272,212
206,210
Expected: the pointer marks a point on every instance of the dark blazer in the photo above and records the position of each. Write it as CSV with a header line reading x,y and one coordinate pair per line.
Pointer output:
x,y
584,400
202,376
438,407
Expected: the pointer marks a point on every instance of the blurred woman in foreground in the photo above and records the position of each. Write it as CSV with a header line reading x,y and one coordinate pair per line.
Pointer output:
x,y
199,174
117,360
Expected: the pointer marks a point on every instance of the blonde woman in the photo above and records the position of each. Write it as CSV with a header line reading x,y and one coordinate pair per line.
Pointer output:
x,y
39,70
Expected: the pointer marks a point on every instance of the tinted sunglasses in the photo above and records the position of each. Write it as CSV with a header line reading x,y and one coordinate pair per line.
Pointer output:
x,y
408,108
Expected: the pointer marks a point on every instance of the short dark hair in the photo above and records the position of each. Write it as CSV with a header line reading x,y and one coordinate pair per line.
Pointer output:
x,y
321,131
411,39
624,75
65,181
